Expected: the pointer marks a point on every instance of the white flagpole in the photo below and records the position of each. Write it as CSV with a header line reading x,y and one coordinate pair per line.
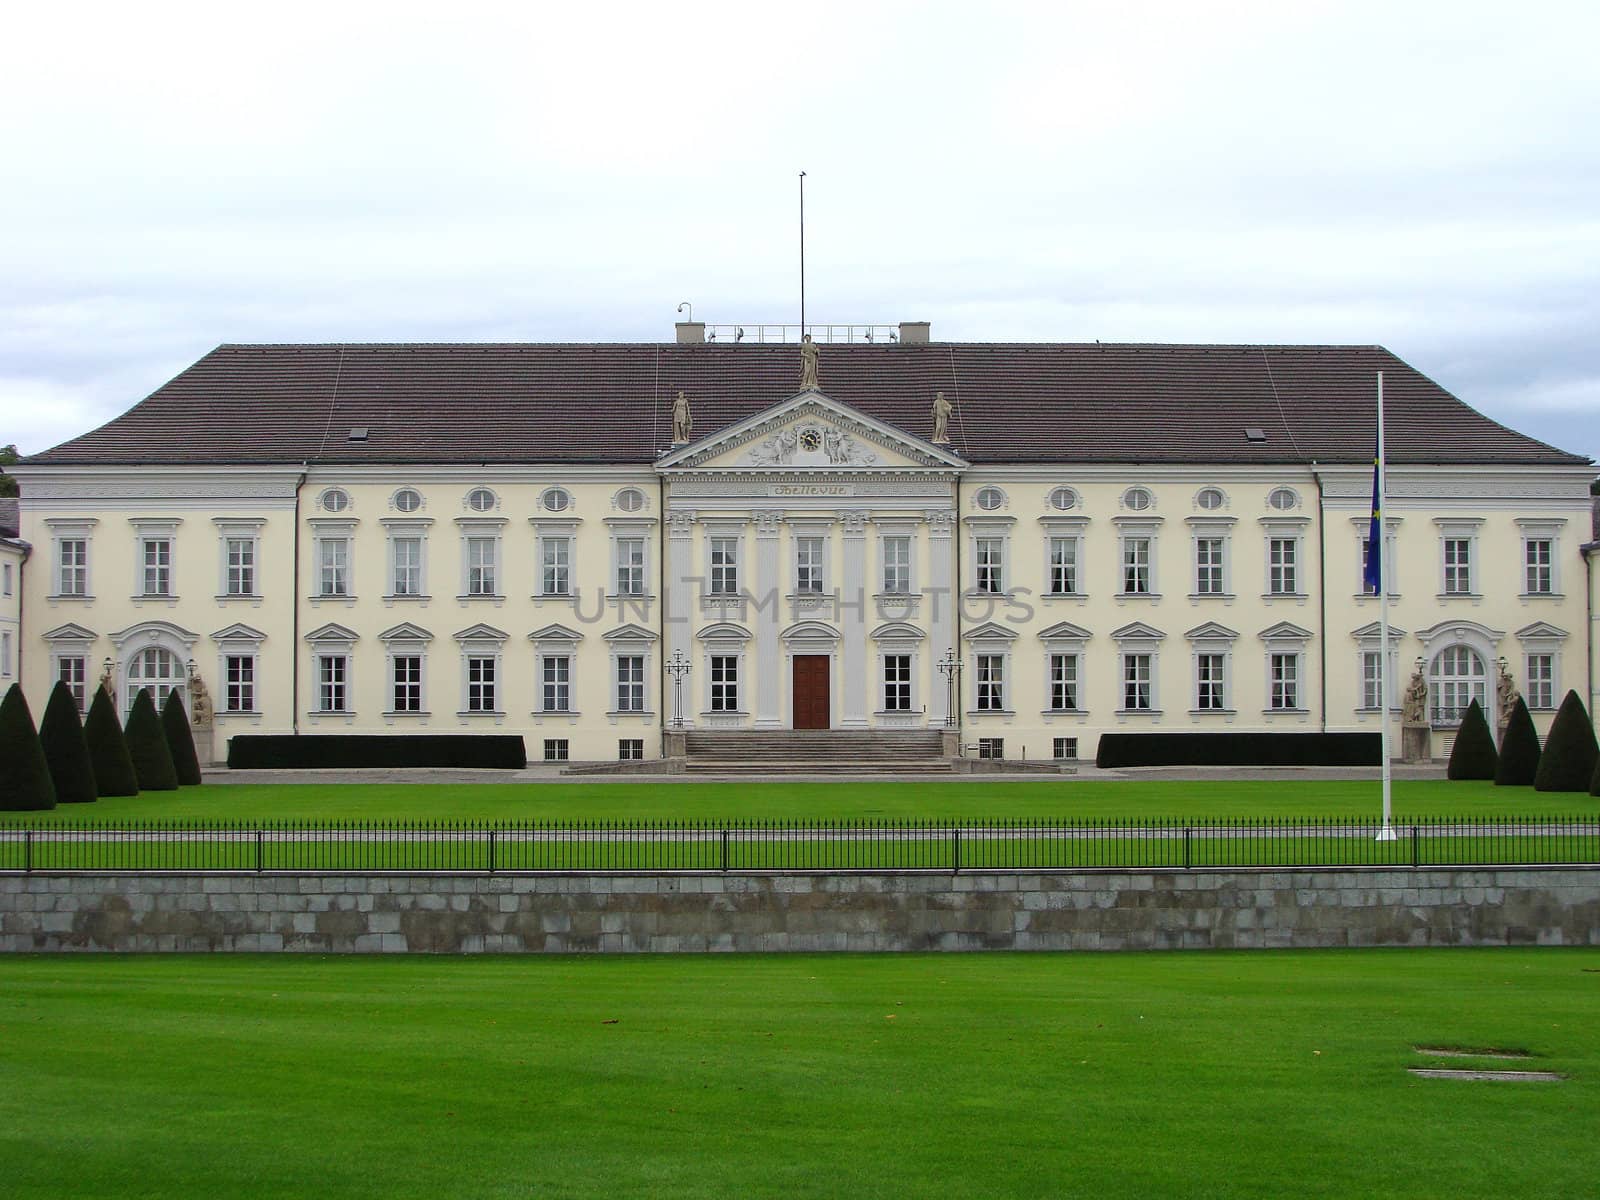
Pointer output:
x,y
1386,834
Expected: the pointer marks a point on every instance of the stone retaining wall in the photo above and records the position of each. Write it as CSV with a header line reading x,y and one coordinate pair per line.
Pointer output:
x,y
1098,910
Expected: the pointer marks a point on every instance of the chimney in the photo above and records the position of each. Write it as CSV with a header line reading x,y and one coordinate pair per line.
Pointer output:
x,y
690,333
914,333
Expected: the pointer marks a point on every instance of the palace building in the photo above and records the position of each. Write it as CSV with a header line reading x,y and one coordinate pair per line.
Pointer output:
x,y
595,545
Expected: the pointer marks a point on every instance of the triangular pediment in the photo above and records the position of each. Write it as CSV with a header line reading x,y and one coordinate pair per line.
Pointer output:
x,y
239,632
1065,631
481,633
629,633
405,632
332,632
1373,630
1285,631
811,431
1212,631
1137,631
555,633
70,632
1541,631
990,631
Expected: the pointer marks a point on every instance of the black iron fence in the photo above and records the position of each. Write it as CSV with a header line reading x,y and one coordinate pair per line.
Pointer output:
x,y
657,846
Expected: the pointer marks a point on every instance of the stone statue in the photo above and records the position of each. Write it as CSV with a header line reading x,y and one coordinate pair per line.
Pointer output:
x,y
1414,706
1506,696
808,362
941,419
199,702
682,421
777,450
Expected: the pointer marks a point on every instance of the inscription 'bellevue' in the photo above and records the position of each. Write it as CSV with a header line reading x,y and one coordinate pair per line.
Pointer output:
x,y
811,489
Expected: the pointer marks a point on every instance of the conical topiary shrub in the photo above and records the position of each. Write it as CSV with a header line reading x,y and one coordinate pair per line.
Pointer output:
x,y
1568,761
1473,755
108,748
24,775
1519,749
180,739
147,745
61,735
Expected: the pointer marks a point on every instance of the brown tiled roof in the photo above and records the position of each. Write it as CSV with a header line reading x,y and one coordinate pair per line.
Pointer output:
x,y
612,403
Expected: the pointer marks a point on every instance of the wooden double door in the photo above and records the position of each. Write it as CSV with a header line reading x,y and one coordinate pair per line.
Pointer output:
x,y
811,691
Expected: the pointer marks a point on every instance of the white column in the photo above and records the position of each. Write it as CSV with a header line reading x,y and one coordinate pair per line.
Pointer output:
x,y
679,607
768,604
941,603
854,603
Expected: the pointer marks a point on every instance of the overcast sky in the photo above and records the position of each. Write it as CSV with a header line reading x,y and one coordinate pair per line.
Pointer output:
x,y
1422,176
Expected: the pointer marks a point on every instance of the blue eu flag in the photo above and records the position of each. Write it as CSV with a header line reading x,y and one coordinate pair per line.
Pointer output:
x,y
1372,574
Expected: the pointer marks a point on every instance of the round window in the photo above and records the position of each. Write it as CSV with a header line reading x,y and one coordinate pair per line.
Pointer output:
x,y
1209,499
1138,499
480,500
407,500
1063,498
557,500
1283,499
335,500
630,500
989,499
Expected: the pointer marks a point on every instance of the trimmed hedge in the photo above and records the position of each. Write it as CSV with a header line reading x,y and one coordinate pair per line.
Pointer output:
x,y
108,749
147,745
1473,755
180,739
25,784
1519,749
375,751
1568,761
1239,750
61,735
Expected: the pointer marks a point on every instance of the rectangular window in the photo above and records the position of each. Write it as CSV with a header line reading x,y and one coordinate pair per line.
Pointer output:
x,y
630,566
808,579
896,565
1542,681
1285,673
333,675
5,654
1063,566
1136,683
1366,561
480,566
72,566
406,682
73,670
630,749
897,683
724,683
1208,566
241,566
555,566
991,747
1064,747
1458,566
630,683
555,749
157,559
555,683
407,566
991,683
991,552
333,567
1282,577
480,683
5,576
724,566
1210,685
1064,682
1136,566
1537,578
239,684
1371,680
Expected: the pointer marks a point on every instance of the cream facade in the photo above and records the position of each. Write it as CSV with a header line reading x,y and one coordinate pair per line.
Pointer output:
x,y
810,566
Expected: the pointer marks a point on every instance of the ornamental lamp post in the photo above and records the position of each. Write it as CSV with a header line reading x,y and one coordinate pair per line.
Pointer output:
x,y
678,666
950,668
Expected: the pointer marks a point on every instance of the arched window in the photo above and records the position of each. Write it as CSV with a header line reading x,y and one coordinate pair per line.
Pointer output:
x,y
1456,678
154,668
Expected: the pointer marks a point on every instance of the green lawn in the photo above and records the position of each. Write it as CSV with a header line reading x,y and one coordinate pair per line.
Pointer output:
x,y
1217,1074
697,801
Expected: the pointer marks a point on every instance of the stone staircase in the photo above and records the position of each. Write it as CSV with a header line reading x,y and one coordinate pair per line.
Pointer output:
x,y
815,752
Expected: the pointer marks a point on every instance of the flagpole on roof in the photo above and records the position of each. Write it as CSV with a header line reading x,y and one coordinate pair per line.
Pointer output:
x,y
1377,536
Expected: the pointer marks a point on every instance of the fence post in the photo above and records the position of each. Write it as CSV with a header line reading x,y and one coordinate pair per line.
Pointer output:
x,y
27,851
1416,852
259,853
724,851
1188,832
956,868
491,849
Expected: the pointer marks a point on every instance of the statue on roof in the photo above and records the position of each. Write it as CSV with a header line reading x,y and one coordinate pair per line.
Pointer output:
x,y
941,419
808,362
682,420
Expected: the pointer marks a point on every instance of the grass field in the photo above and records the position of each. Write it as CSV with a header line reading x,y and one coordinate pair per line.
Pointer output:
x,y
697,801
1222,1074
